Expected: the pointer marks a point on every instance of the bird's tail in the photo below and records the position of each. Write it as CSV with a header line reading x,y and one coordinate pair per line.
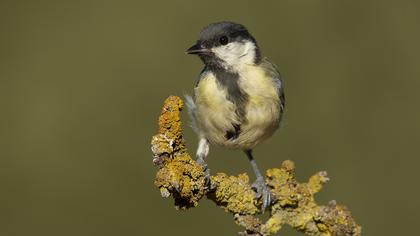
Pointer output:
x,y
191,107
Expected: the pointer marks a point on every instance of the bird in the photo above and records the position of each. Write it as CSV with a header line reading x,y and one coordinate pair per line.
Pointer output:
x,y
238,99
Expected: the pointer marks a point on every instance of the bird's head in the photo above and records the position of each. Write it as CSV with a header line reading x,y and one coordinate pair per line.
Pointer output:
x,y
226,45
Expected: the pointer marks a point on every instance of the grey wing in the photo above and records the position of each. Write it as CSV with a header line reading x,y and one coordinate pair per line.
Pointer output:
x,y
278,79
280,89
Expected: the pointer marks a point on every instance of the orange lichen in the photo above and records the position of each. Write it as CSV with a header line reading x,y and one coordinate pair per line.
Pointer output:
x,y
178,175
169,140
183,178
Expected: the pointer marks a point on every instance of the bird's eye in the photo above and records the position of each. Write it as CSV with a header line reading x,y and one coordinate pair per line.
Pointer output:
x,y
223,40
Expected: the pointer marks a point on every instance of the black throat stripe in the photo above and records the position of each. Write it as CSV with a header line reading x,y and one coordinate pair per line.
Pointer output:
x,y
230,81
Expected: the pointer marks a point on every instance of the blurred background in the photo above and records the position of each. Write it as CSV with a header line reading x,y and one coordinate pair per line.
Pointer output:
x,y
82,84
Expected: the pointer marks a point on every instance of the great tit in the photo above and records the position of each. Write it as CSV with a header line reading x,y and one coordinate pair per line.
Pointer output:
x,y
239,97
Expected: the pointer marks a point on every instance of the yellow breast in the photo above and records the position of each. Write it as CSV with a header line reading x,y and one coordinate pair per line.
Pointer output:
x,y
215,113
259,85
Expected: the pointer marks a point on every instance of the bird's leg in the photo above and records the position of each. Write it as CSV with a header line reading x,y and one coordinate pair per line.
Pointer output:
x,y
259,185
202,152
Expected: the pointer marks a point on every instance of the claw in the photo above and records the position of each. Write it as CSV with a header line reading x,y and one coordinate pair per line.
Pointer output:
x,y
263,192
201,162
207,176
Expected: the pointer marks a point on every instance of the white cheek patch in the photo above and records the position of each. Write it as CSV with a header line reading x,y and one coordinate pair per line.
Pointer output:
x,y
236,54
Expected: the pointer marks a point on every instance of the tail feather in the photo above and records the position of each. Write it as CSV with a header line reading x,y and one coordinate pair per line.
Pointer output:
x,y
191,107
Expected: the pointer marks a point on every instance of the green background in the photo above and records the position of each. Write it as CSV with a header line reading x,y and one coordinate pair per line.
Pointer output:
x,y
82,84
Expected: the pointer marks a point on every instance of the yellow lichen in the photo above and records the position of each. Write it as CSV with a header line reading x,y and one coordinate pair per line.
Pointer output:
x,y
316,181
273,224
233,193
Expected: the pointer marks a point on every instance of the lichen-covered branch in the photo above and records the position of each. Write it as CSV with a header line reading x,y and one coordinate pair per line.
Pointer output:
x,y
182,178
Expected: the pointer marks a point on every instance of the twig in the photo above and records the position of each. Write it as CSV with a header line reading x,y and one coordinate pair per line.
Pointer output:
x,y
182,178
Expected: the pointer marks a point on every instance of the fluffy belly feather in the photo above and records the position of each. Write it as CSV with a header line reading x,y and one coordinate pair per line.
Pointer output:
x,y
216,114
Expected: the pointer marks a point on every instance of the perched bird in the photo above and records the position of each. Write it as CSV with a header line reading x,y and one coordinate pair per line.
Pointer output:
x,y
238,98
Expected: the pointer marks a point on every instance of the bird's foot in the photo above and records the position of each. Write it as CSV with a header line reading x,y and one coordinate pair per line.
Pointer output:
x,y
263,192
201,162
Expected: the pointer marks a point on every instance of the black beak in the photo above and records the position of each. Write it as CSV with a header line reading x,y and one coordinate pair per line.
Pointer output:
x,y
197,49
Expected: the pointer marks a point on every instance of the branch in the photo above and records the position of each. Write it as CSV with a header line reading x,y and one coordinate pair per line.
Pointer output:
x,y
182,178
